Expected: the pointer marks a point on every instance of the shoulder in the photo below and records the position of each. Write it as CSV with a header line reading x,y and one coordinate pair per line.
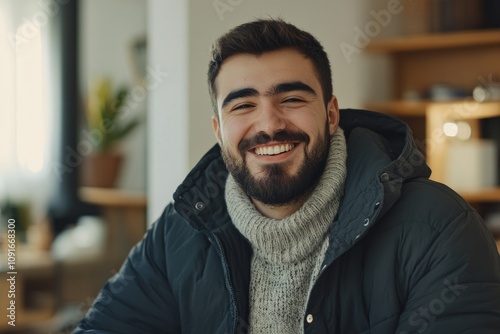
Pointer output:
x,y
434,227
173,233
432,220
430,204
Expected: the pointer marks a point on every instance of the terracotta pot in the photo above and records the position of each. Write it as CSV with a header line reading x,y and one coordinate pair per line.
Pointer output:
x,y
101,170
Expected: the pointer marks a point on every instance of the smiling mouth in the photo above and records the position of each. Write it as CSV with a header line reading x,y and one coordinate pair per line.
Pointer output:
x,y
274,149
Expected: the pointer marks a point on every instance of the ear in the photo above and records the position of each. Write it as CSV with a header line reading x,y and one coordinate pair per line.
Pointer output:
x,y
333,114
216,127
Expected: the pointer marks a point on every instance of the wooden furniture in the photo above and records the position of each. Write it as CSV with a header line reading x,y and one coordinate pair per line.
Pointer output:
x,y
437,114
459,59
125,215
35,300
43,284
462,59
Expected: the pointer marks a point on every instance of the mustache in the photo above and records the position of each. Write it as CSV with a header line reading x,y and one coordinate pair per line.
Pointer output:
x,y
280,136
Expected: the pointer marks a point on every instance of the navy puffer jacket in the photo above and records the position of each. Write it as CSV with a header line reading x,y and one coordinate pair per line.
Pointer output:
x,y
406,254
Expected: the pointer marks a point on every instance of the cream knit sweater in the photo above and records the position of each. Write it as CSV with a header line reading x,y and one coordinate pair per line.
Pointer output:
x,y
288,253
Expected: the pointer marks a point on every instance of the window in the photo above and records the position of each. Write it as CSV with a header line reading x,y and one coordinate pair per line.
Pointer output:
x,y
26,120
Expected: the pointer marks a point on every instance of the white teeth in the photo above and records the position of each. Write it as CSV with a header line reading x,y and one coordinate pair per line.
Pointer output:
x,y
273,150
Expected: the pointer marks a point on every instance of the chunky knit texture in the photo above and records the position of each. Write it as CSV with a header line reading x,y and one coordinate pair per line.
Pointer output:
x,y
288,253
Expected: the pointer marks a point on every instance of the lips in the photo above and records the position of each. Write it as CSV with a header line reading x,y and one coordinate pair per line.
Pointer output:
x,y
280,143
274,149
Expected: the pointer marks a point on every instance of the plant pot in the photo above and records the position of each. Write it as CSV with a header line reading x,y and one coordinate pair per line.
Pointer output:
x,y
101,170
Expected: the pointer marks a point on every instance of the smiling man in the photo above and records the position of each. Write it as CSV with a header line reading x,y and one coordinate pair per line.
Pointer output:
x,y
274,127
303,218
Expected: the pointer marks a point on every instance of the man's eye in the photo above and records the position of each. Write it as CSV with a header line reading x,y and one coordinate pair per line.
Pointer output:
x,y
242,106
292,100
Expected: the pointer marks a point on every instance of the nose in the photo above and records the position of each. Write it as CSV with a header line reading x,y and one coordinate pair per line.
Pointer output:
x,y
270,119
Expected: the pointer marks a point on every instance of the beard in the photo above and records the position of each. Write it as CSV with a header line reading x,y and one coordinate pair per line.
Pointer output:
x,y
275,186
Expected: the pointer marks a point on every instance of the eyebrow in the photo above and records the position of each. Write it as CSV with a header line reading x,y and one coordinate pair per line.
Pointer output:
x,y
290,87
275,90
239,93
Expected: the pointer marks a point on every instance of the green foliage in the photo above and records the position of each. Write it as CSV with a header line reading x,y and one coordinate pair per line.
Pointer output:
x,y
107,114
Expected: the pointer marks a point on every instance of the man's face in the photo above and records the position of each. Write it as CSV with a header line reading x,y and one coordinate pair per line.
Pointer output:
x,y
273,126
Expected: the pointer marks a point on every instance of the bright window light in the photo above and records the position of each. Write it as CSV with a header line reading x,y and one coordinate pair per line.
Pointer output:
x,y
31,116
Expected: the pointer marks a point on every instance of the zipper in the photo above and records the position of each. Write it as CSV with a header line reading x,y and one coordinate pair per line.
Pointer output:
x,y
228,279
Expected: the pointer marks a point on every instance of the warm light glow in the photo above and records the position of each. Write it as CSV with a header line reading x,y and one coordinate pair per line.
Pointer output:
x,y
460,130
450,129
31,115
464,131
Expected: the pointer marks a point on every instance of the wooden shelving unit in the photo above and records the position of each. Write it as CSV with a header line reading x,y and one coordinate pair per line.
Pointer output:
x,y
460,59
43,284
125,216
34,294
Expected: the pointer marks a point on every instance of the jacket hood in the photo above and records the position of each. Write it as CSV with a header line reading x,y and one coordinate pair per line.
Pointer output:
x,y
382,155
380,147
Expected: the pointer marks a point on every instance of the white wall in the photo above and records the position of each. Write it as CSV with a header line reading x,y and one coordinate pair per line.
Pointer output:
x,y
355,80
168,134
107,30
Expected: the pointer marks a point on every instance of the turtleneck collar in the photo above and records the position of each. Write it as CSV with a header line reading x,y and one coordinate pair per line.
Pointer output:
x,y
295,237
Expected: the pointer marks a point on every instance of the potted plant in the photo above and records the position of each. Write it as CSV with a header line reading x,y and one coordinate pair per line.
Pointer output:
x,y
108,125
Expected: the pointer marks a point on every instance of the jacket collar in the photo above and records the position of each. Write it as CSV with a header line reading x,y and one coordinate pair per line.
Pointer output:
x,y
382,156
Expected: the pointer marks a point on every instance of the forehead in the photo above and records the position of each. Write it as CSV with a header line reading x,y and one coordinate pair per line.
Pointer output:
x,y
263,71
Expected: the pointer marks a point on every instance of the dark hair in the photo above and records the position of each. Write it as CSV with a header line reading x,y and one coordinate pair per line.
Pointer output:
x,y
262,36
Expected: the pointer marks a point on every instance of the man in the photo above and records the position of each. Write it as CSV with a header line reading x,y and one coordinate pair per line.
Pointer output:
x,y
326,222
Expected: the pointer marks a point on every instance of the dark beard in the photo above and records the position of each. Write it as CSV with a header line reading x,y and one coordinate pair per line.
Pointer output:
x,y
276,187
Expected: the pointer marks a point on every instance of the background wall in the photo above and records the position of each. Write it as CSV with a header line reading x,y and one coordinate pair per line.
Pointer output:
x,y
108,28
180,36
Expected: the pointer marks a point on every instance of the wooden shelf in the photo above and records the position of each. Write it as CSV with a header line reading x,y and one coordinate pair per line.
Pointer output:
x,y
125,216
463,109
399,107
436,41
112,197
482,196
467,110
463,59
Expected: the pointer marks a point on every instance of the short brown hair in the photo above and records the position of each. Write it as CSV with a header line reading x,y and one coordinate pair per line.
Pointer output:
x,y
260,36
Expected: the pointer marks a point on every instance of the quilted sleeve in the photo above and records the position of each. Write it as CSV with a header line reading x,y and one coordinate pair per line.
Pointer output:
x,y
138,299
455,286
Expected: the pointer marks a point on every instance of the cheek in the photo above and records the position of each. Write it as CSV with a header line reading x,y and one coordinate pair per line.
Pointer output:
x,y
312,126
232,132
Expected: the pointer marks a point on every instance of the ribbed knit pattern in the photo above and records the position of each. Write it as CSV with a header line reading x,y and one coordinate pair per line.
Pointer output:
x,y
288,253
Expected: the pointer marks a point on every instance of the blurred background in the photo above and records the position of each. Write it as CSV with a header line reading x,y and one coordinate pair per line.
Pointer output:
x,y
104,109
